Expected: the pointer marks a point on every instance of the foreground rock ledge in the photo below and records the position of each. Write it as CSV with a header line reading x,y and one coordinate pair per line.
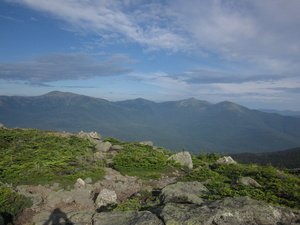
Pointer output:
x,y
228,211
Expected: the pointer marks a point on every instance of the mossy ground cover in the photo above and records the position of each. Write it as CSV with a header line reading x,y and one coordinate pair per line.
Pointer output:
x,y
143,161
38,157
35,157
277,187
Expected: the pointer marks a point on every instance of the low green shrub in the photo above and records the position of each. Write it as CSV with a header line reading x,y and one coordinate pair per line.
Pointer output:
x,y
12,204
41,157
276,187
141,160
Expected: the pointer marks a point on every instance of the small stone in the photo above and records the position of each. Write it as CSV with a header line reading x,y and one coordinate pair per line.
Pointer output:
x,y
80,183
88,180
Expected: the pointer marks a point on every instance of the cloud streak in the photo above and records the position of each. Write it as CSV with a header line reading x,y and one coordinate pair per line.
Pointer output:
x,y
56,67
211,77
264,33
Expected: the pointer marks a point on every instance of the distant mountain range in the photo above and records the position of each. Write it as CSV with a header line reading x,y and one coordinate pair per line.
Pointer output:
x,y
192,124
288,158
282,112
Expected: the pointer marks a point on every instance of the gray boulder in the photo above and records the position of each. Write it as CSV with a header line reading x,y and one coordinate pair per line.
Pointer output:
x,y
2,126
226,160
150,143
126,218
100,156
228,211
248,181
183,158
81,196
106,197
79,183
35,198
183,192
57,216
92,136
103,146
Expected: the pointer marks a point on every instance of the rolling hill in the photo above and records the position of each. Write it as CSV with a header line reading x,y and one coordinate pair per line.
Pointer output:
x,y
193,124
287,158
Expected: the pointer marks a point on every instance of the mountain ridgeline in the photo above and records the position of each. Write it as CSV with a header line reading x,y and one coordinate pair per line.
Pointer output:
x,y
192,124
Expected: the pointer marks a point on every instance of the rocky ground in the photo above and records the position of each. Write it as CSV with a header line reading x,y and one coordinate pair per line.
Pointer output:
x,y
168,201
180,203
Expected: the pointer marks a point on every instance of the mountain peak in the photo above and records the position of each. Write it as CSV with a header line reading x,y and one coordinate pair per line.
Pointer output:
x,y
192,102
231,106
59,94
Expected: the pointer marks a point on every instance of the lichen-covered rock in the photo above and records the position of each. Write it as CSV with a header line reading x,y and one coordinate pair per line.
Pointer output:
x,y
79,183
82,197
183,158
226,160
228,211
57,216
183,192
35,198
106,197
99,155
150,143
248,181
103,146
126,218
92,136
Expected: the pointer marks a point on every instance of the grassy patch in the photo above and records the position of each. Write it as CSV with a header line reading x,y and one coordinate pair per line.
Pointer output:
x,y
12,204
276,187
143,161
38,157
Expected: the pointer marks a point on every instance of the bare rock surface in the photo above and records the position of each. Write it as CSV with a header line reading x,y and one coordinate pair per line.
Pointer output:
x,y
183,192
228,211
248,181
126,218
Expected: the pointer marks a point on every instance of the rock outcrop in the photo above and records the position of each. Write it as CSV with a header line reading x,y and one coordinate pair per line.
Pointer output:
x,y
248,181
126,218
226,160
183,192
106,197
183,158
228,211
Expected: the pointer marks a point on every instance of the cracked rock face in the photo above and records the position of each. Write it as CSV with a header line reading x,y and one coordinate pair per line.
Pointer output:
x,y
183,192
228,211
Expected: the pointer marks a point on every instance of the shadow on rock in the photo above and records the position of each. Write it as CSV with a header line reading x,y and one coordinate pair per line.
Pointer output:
x,y
58,217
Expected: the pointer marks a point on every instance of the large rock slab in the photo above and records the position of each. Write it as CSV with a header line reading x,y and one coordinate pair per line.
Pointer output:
x,y
126,218
183,158
103,146
183,192
57,216
228,211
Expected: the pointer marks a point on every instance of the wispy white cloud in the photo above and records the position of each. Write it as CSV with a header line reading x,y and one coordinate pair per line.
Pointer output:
x,y
55,67
265,33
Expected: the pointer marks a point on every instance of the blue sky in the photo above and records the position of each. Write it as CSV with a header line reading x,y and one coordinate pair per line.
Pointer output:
x,y
244,51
